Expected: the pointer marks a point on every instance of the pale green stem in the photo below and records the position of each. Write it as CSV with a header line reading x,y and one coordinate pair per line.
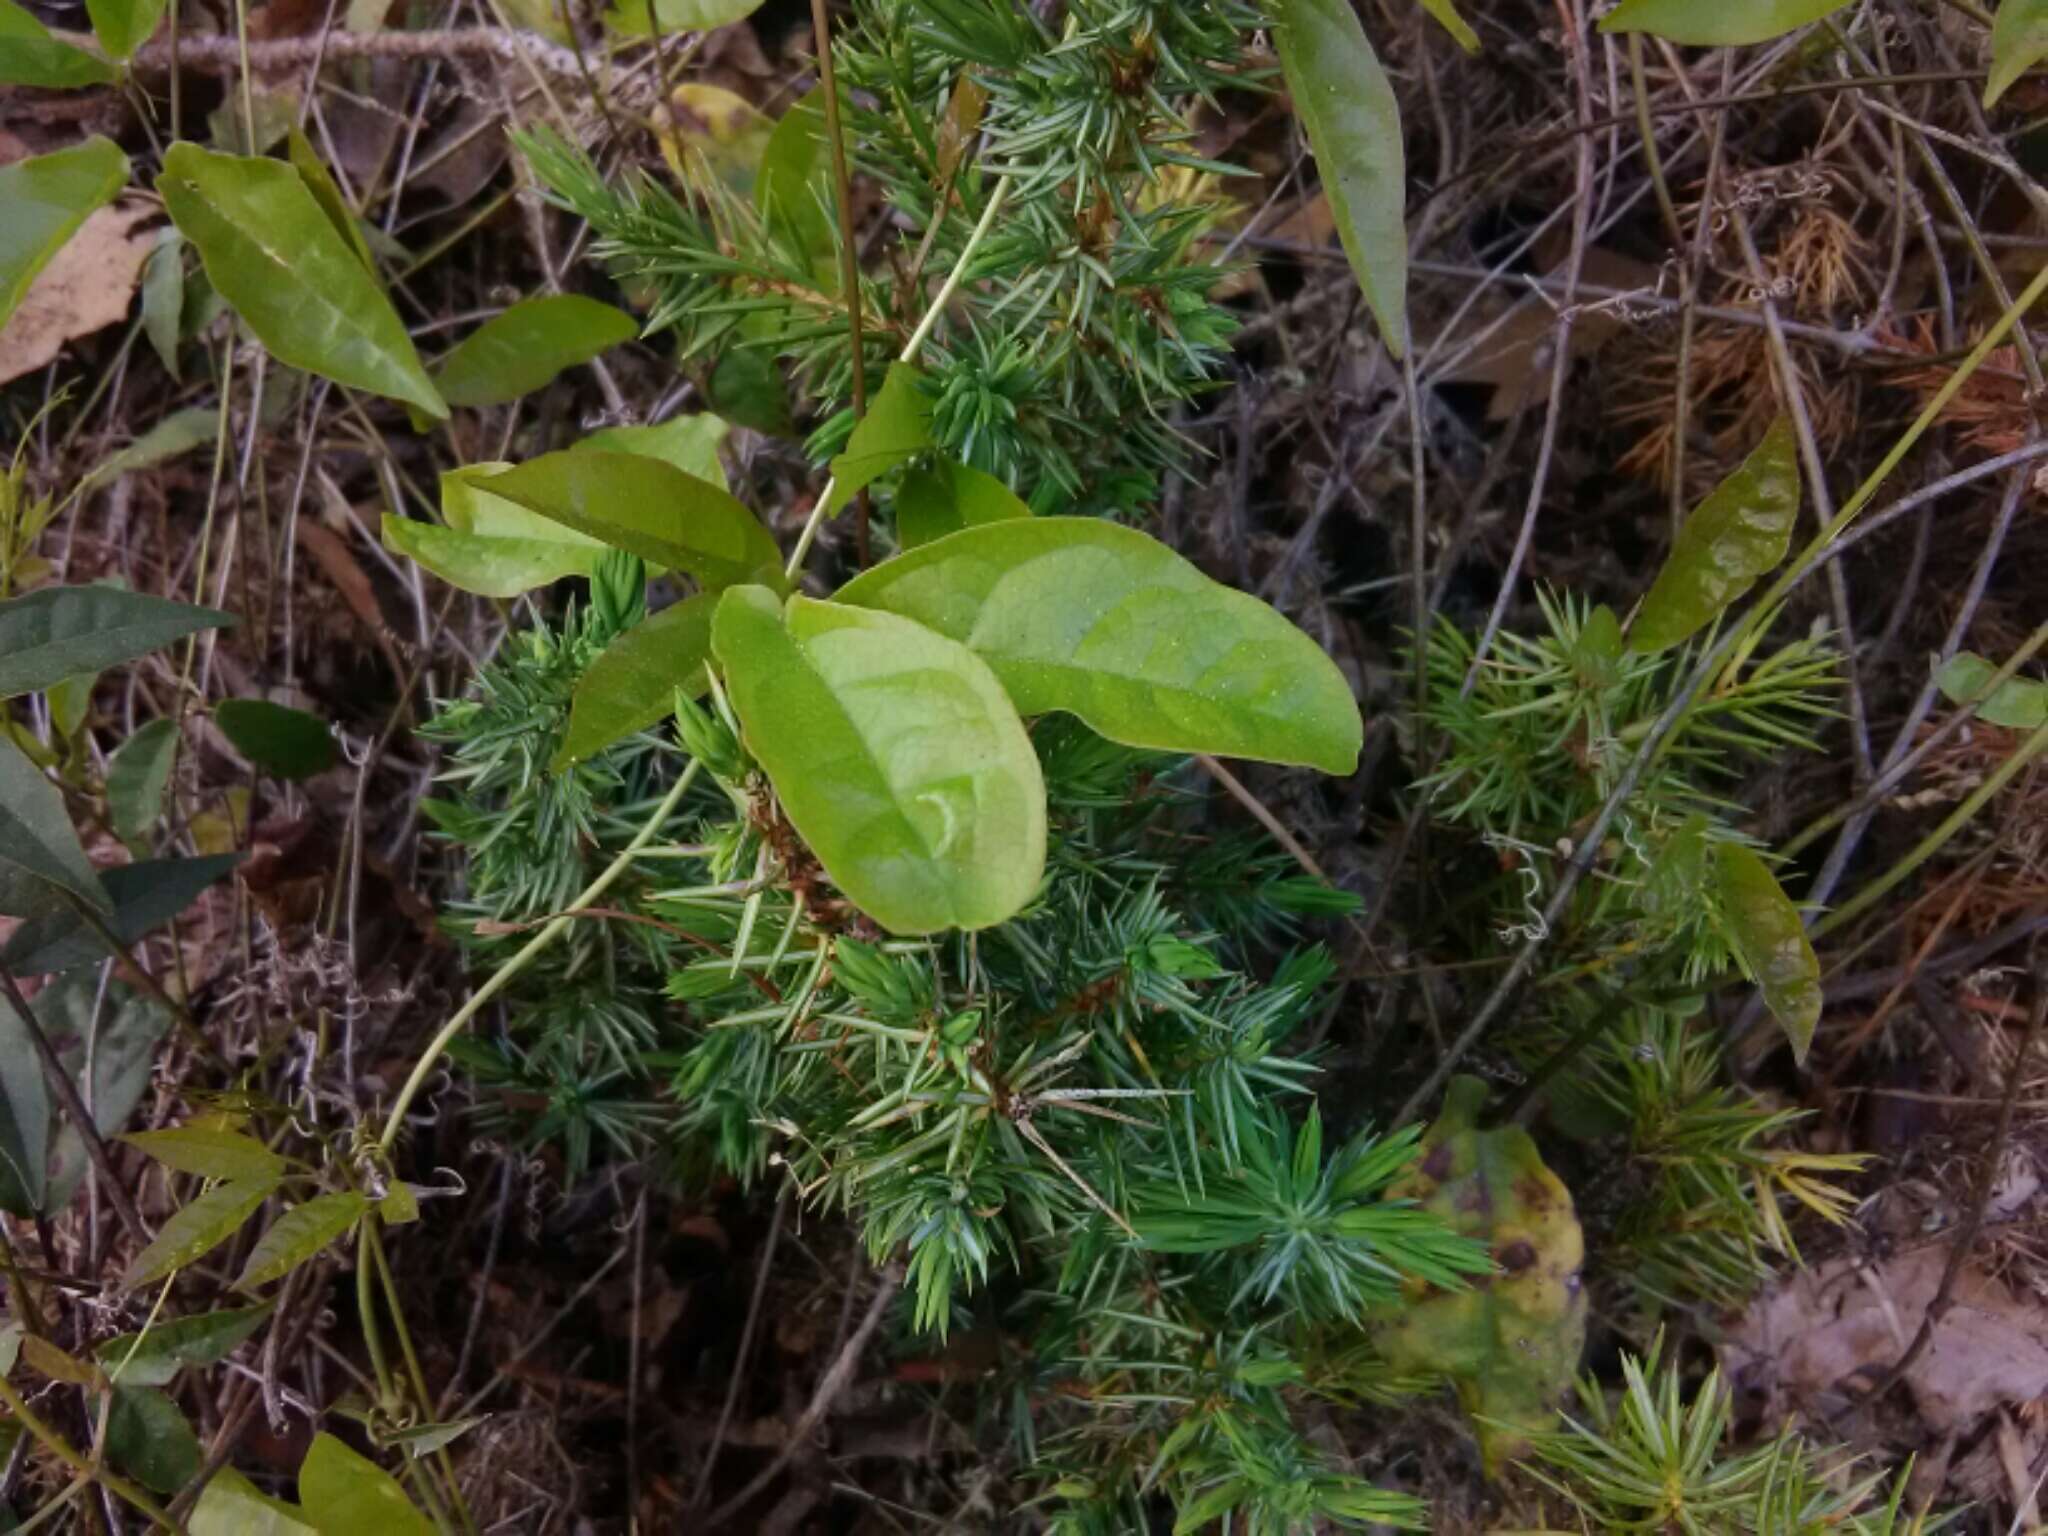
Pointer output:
x,y
909,353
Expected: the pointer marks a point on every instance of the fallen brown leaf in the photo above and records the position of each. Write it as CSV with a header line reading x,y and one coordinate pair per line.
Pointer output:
x,y
87,286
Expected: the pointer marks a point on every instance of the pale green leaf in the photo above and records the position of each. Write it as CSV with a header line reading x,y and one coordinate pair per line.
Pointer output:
x,y
524,348
180,432
633,683
632,18
58,632
137,775
491,546
648,508
70,702
896,429
422,1440
1106,623
1718,24
1347,108
2018,703
1446,13
29,55
145,895
287,742
41,861
945,497
122,26
344,1494
272,252
327,193
690,443
1764,929
209,1152
163,297
300,1234
230,1505
149,1438
197,1228
153,1358
47,196
1738,534
895,755
2019,41
791,190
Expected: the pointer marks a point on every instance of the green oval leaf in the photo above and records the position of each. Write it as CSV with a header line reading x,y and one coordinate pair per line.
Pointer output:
x,y
39,851
231,1505
344,1494
2019,41
633,683
180,432
272,252
521,350
47,196
790,191
1739,533
896,429
1510,1346
197,1228
1346,105
154,1357
1769,941
298,1235
647,508
287,742
634,18
149,1438
137,775
896,757
1721,24
2018,704
60,632
144,895
690,443
491,546
29,55
945,497
210,1153
1108,624
122,26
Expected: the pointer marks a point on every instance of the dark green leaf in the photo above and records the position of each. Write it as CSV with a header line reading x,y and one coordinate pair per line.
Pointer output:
x,y
1446,13
2019,41
1106,623
746,387
119,1033
491,546
148,1438
1720,24
946,497
60,632
895,755
46,196
287,742
690,443
1347,107
320,182
230,1505
2019,704
633,684
145,895
196,1229
896,429
154,1358
521,350
24,1121
647,508
137,775
1767,936
791,190
272,252
39,852
29,55
122,26
1739,533
209,1152
300,1234
344,1494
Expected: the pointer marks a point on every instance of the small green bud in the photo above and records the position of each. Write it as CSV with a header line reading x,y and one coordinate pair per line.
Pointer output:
x,y
708,739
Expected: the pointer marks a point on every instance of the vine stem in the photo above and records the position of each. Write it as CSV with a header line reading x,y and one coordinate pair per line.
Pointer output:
x,y
61,1448
909,353
503,976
